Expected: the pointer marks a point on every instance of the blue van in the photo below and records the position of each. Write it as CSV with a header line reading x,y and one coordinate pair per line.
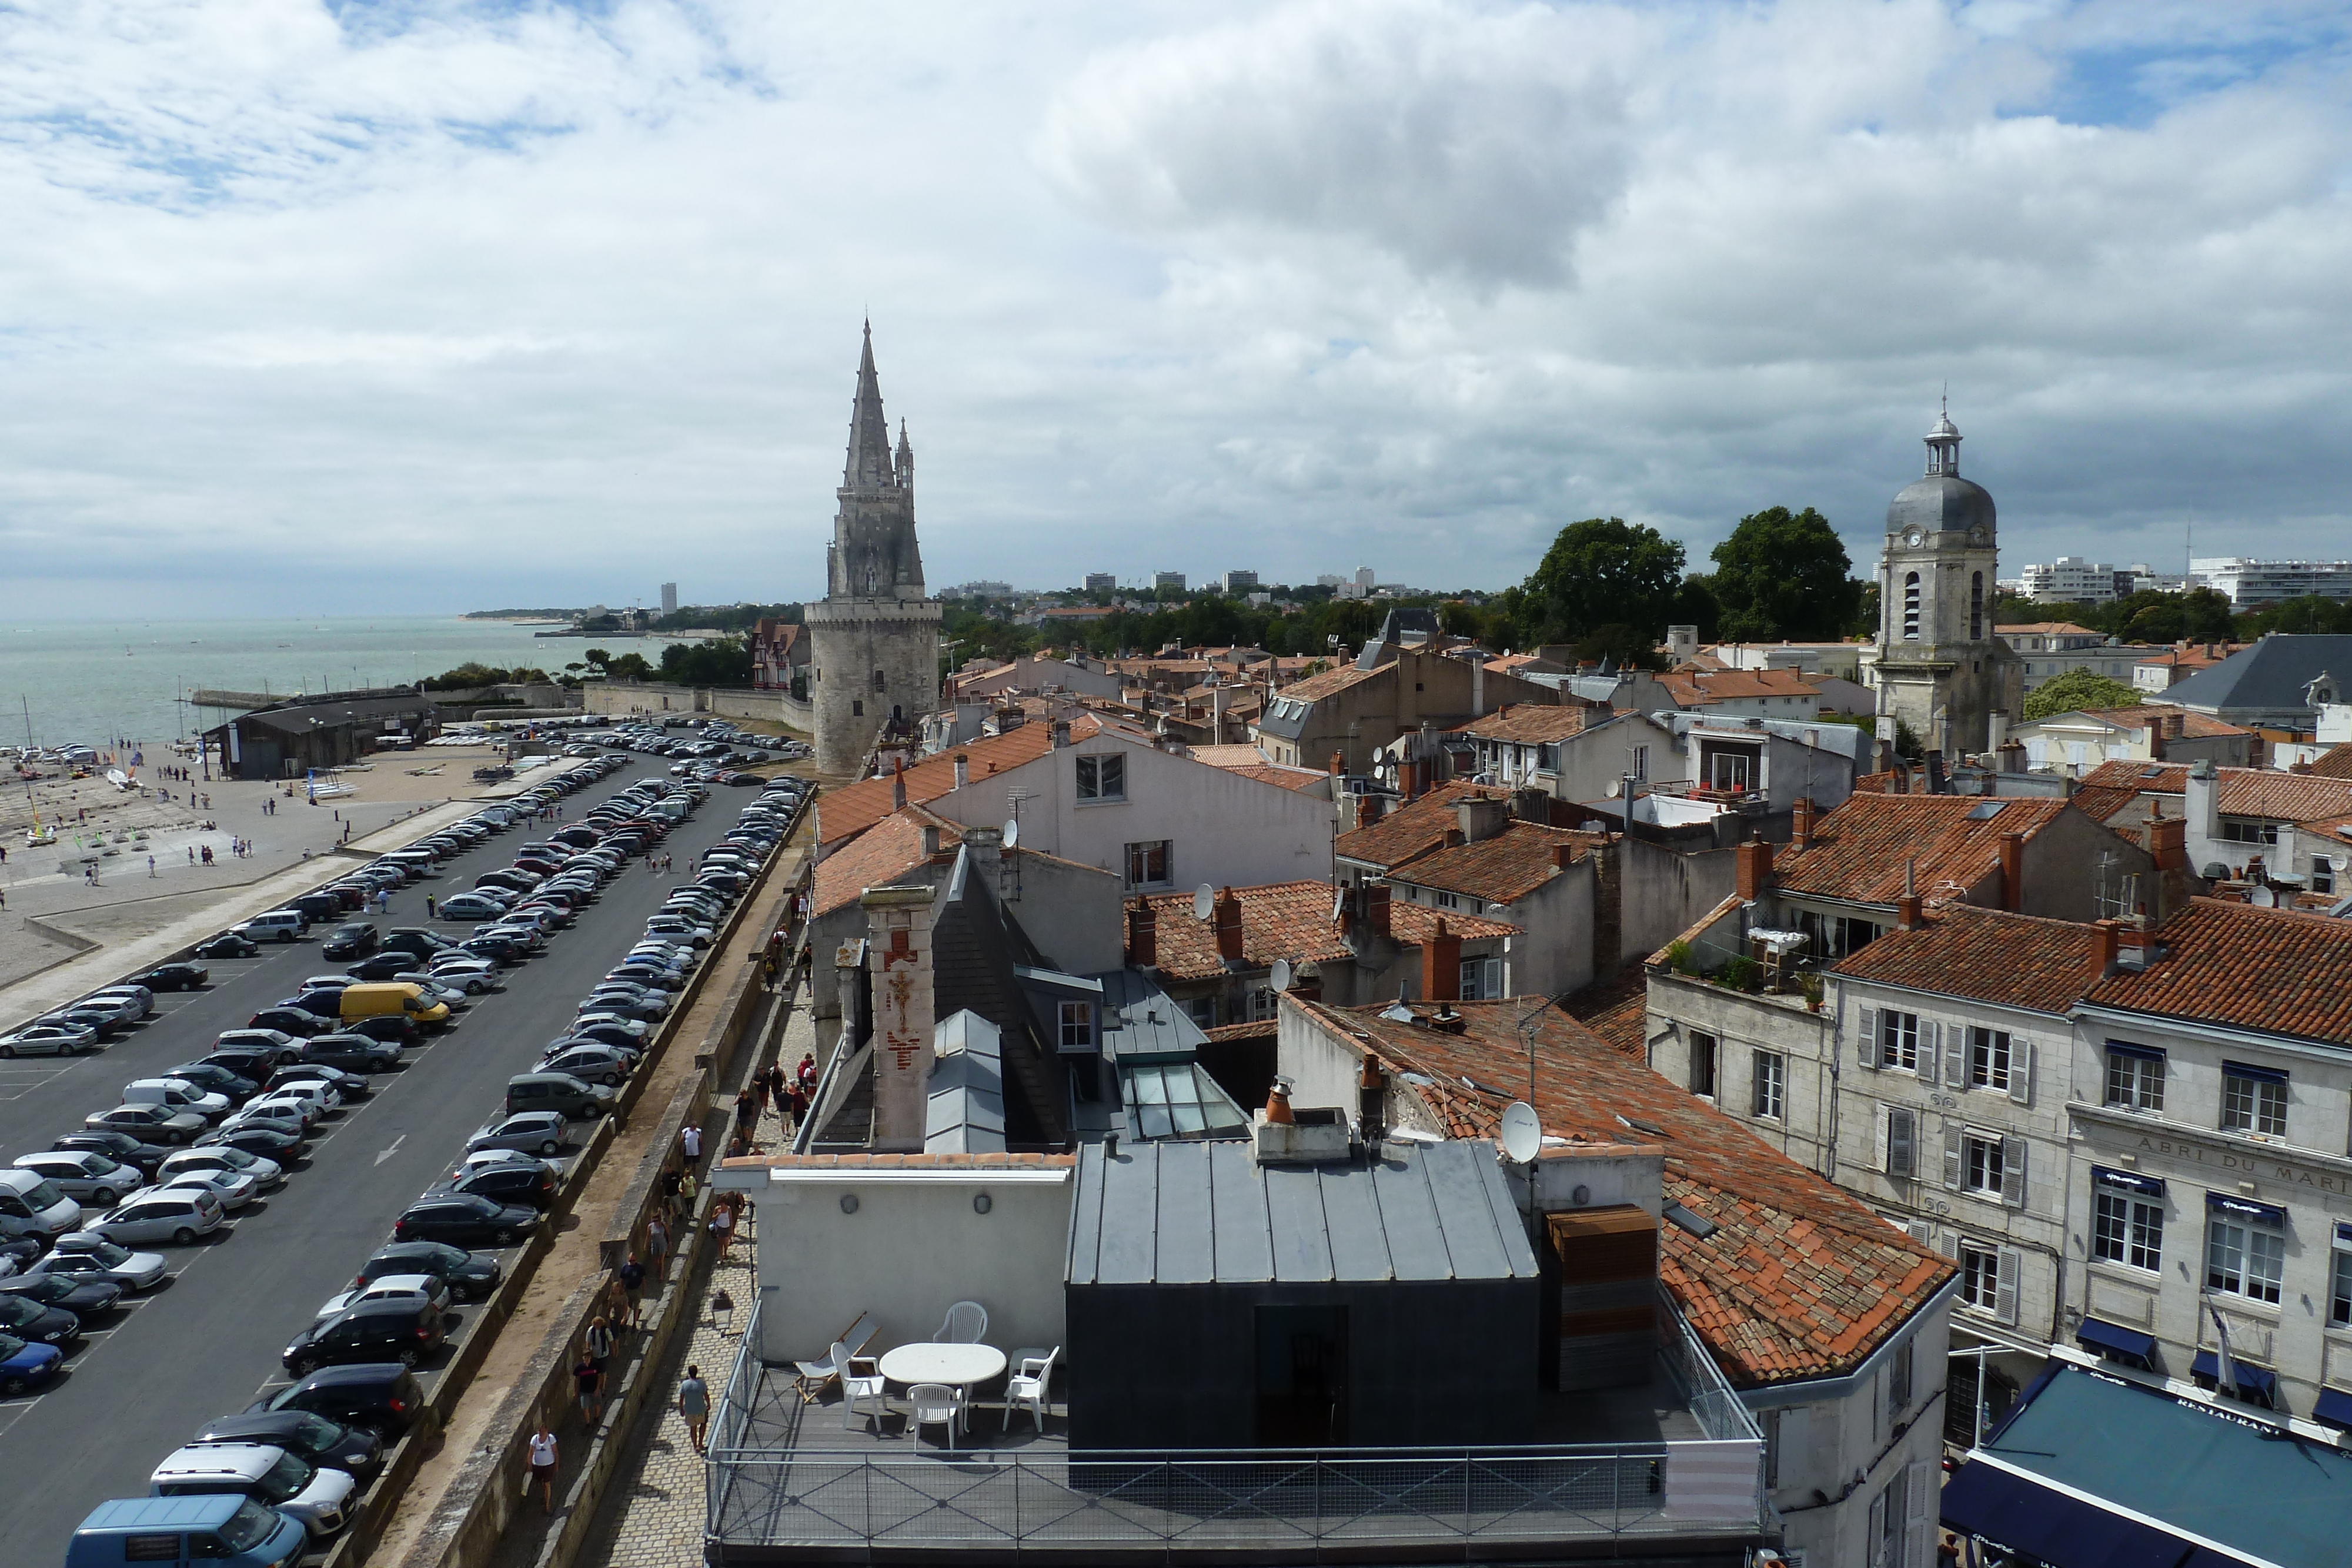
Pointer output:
x,y
214,1530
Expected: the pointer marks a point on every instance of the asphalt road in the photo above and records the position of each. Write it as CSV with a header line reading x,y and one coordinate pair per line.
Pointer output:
x,y
205,1342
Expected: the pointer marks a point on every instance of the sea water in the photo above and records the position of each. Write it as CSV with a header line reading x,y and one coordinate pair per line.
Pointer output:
x,y
98,684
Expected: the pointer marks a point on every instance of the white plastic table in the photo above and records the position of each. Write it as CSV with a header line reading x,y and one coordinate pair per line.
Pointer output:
x,y
957,1365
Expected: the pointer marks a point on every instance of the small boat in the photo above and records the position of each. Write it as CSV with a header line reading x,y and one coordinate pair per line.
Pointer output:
x,y
119,780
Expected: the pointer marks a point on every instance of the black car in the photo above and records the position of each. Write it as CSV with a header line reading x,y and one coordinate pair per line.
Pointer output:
x,y
96,1016
470,1279
175,977
401,1330
356,940
317,905
395,1030
413,939
350,1085
351,1053
254,1066
118,1147
84,1297
217,1080
315,1439
264,1143
530,1185
287,1017
381,1396
227,945
463,1219
385,966
496,949
28,1319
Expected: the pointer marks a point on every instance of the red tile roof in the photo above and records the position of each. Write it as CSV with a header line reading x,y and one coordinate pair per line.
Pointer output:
x,y
1530,724
2047,629
2240,792
846,812
1330,683
1799,1280
2272,971
2099,802
1500,870
1414,828
1859,851
991,1161
1275,774
1287,920
2193,726
1700,689
2335,762
880,855
1987,956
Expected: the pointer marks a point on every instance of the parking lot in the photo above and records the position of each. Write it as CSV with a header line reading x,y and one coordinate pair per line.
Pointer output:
x,y
206,1342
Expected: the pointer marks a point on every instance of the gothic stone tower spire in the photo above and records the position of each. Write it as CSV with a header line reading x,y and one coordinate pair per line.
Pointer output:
x,y
875,638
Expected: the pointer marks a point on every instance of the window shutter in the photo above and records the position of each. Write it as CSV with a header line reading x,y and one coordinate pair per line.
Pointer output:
x,y
1920,1494
1956,1060
2012,1172
1921,1231
2004,1295
1865,1041
1949,1243
1901,1150
1952,1155
1924,1059
1878,1537
1887,1139
2020,1069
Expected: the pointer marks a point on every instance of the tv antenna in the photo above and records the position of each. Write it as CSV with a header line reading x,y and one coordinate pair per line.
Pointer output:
x,y
1522,1131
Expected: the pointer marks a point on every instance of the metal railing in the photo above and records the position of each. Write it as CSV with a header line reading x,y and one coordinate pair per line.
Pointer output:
x,y
767,1493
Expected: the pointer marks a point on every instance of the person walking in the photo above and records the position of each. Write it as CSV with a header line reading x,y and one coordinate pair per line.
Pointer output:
x,y
631,1280
657,1249
429,907
150,866
694,1405
590,1380
599,1343
689,1140
722,1225
543,1466
747,1111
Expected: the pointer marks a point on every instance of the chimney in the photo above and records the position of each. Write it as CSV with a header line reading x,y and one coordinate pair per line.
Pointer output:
x,y
2201,800
1225,919
963,770
1409,779
930,839
1478,688
2105,941
1338,764
1481,816
1996,730
2168,842
1060,734
1752,864
1563,856
1369,809
898,786
2152,736
1142,935
1455,838
1800,824
1441,965
2174,724
898,923
1372,1100
2012,871
1907,908
1376,906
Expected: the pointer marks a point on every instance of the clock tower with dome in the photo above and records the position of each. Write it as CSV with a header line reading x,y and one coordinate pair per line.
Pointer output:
x,y
1938,666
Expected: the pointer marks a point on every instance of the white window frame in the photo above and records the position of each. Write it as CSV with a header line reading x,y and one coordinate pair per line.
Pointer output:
x,y
1988,1277
1707,1048
1768,1098
2127,1229
1076,1025
1101,779
1990,1058
1481,977
1202,1010
2244,1258
1981,1170
1899,1040
2135,1083
2252,1106
1167,850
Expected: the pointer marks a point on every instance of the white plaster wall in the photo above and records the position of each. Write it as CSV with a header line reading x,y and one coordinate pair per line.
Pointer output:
x,y
914,1248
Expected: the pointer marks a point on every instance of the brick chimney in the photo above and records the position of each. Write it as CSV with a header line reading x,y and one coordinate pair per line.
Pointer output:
x,y
1752,864
1907,907
1800,824
1564,855
1225,919
2105,941
1376,906
1441,965
1481,816
1142,935
1409,779
2168,840
898,786
1369,809
2012,871
1339,763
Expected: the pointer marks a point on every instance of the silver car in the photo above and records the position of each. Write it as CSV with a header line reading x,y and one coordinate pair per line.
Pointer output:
x,y
139,998
148,1124
281,1116
268,1174
233,1188
84,1255
48,1039
422,1289
82,1175
178,1215
531,1132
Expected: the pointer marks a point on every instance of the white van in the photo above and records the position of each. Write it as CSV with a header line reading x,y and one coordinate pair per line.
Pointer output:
x,y
277,926
31,1204
178,1093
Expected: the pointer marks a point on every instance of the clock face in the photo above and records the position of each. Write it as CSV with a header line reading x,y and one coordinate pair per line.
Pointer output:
x,y
1912,537
1979,535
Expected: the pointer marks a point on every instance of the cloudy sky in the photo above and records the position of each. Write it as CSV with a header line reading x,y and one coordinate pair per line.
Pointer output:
x,y
442,306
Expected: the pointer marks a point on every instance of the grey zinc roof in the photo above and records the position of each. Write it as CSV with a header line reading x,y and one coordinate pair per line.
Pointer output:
x,y
2268,678
964,1113
1202,1213
1140,1023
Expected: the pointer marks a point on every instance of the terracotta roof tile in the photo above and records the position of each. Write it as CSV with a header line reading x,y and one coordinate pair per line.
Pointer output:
x,y
846,812
1530,724
880,855
1285,920
1330,683
1412,829
1801,1280
868,1161
1500,870
2274,971
2335,762
2239,791
2193,726
2099,802
1700,689
1859,851
1986,954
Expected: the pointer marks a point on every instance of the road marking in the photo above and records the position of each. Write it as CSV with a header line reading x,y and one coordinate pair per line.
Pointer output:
x,y
393,1149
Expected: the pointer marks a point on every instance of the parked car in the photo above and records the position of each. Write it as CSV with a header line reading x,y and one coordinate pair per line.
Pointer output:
x,y
469,1277
24,1366
259,1139
215,1079
399,1328
178,1215
228,945
287,1017
139,1001
85,1298
464,1220
530,1186
592,1064
233,1188
102,1019
532,1131
381,1396
418,1290
317,1438
27,1319
471,906
82,1175
151,1123
282,1046
48,1039
267,1175
385,965
356,940
267,1474
395,1030
351,1053
276,926
85,1255
118,1147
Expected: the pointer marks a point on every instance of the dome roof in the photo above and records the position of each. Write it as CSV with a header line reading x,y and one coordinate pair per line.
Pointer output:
x,y
1940,502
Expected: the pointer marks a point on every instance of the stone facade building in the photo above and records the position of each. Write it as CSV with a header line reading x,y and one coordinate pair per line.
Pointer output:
x,y
875,638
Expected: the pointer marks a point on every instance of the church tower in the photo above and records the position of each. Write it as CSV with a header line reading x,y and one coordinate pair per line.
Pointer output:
x,y
1938,666
874,642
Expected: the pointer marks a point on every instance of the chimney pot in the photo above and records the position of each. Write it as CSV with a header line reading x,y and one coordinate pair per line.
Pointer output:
x,y
1376,907
2012,871
1906,912
1226,916
2106,939
930,839
1441,965
962,771
1752,868
1801,827
1142,935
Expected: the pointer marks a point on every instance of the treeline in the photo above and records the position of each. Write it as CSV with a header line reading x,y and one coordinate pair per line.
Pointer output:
x,y
470,674
722,661
2200,615
734,618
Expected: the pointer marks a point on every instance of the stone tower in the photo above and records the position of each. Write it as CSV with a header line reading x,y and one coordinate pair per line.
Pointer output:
x,y
1938,665
874,642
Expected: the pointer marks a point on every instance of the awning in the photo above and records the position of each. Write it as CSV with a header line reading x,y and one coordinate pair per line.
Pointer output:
x,y
2125,1048
2249,1069
2101,1335
2247,1208
2130,1181
2035,1522
2209,1365
2334,1408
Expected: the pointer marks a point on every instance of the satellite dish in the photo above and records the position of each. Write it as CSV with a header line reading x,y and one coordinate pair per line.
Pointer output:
x,y
1011,832
1522,1133
1282,974
1204,901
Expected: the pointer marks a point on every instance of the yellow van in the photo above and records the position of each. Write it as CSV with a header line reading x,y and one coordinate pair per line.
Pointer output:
x,y
367,1001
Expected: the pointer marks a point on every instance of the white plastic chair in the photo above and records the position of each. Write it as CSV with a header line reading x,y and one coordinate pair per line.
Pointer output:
x,y
862,1381
966,1322
816,1374
935,1402
1032,1377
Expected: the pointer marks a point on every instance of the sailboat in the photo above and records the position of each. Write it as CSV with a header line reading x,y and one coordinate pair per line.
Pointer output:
x,y
37,834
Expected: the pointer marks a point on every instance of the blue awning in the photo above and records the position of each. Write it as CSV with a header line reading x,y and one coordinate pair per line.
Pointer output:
x,y
2048,1526
2248,1070
2247,1208
2334,1408
2130,1181
2100,1336
2125,1048
2209,1365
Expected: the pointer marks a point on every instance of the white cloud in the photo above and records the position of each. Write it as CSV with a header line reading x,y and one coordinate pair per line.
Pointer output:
x,y
539,303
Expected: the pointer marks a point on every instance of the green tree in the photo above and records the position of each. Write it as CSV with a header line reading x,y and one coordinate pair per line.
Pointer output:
x,y
598,658
722,661
630,667
1605,571
1784,574
2076,691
